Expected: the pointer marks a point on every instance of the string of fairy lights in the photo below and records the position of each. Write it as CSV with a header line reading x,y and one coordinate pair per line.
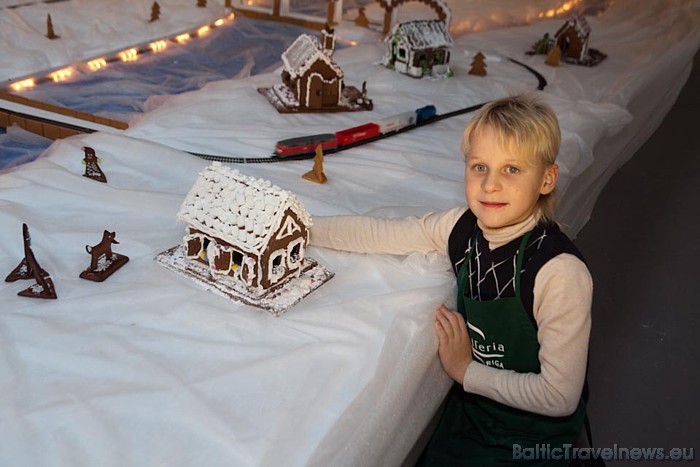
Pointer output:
x,y
130,54
563,9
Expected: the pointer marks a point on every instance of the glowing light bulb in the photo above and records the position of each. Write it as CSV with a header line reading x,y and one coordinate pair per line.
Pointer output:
x,y
158,46
24,84
203,30
231,16
182,38
97,63
128,55
219,22
61,75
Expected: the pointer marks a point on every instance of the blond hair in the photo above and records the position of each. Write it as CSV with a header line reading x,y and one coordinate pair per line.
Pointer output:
x,y
526,127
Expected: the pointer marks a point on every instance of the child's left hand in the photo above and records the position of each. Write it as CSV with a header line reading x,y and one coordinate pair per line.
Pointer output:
x,y
454,345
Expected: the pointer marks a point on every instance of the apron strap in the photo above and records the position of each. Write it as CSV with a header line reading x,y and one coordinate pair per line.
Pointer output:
x,y
519,262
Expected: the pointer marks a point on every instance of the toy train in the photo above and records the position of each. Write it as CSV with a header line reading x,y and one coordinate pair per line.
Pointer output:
x,y
332,142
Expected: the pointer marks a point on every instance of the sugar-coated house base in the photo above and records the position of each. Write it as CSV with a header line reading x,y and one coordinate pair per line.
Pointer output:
x,y
276,300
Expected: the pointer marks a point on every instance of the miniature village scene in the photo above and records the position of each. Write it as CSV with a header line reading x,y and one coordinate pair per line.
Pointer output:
x,y
569,44
231,333
246,240
312,81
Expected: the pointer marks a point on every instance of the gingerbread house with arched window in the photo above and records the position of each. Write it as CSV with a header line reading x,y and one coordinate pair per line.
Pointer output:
x,y
419,48
245,228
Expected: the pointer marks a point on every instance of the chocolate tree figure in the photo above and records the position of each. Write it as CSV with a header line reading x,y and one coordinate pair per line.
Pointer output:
x,y
92,169
478,65
49,28
201,3
227,4
361,19
29,268
316,174
104,262
155,12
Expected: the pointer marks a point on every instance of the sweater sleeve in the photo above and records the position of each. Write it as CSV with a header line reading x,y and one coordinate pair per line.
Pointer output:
x,y
400,236
562,310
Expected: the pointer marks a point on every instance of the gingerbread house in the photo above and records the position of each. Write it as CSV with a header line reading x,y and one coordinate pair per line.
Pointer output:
x,y
244,228
419,48
572,38
310,73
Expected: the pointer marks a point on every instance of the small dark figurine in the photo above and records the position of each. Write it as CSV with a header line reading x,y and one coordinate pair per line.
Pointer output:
x,y
29,268
92,169
478,65
49,29
316,174
201,3
104,262
155,12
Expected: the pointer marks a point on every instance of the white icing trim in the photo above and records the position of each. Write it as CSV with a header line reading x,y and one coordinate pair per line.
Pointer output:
x,y
291,263
189,237
275,274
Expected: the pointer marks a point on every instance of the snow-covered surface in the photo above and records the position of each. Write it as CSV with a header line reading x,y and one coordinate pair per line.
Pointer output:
x,y
149,369
89,28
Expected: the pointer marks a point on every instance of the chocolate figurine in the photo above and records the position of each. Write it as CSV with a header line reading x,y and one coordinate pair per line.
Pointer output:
x,y
29,268
316,174
92,169
104,262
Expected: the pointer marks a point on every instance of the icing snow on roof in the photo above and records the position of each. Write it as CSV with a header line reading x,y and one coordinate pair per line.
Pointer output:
x,y
579,23
241,210
303,53
425,33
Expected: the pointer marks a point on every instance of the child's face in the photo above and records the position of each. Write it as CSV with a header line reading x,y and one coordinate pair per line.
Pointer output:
x,y
501,188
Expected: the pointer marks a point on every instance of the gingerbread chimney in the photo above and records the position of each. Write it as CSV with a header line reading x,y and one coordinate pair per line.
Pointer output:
x,y
328,39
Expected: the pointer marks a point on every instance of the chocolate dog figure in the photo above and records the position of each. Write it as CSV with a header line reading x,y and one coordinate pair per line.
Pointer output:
x,y
103,261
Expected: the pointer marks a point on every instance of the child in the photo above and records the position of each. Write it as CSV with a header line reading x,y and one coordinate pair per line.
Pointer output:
x,y
517,344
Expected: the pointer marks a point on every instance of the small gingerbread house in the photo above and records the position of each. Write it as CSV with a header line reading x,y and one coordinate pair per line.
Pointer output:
x,y
419,48
245,228
310,73
572,38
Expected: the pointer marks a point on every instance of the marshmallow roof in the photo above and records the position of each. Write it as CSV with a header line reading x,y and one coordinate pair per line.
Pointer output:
x,y
303,53
241,210
423,34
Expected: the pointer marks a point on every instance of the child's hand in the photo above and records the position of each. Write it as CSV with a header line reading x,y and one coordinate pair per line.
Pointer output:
x,y
454,345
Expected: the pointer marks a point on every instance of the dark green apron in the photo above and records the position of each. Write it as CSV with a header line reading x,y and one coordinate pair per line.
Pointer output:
x,y
477,431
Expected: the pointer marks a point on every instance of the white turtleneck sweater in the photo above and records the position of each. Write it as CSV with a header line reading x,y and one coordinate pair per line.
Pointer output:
x,y
561,305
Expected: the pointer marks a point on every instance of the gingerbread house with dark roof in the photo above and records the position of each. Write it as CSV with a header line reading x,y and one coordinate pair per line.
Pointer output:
x,y
244,228
419,48
572,38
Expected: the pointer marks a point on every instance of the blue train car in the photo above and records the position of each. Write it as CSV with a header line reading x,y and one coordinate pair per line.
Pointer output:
x,y
425,113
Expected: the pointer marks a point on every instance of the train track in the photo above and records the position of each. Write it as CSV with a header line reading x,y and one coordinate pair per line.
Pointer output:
x,y
56,122
273,158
